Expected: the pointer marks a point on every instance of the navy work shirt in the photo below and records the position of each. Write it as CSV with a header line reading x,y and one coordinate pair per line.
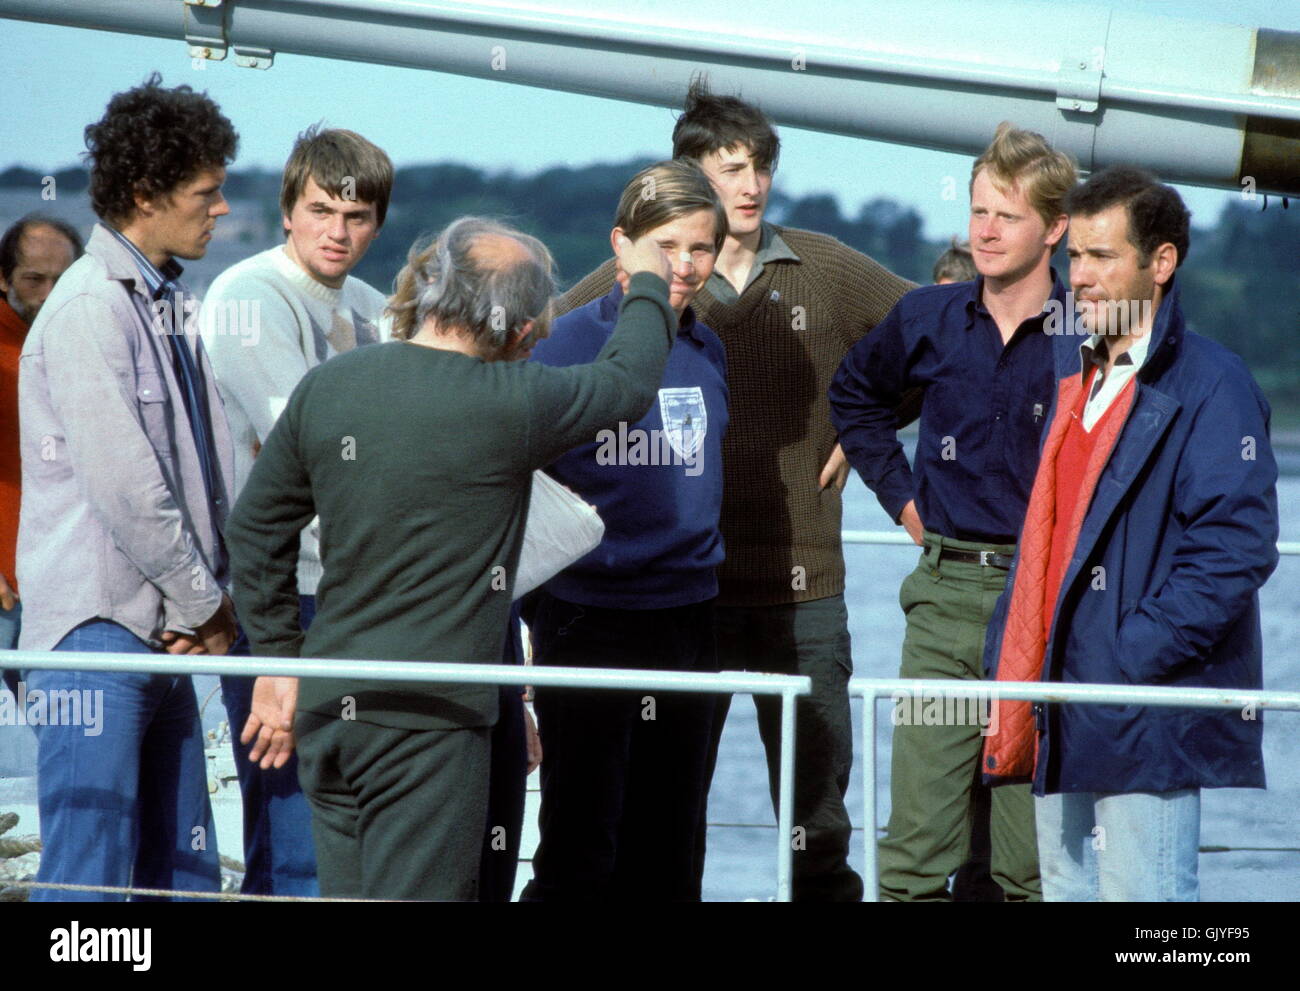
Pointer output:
x,y
657,483
982,416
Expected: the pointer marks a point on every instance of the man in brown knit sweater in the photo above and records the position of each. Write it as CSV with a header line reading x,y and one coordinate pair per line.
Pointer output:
x,y
787,304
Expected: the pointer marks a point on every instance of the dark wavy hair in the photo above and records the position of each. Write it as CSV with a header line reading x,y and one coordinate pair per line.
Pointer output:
x,y
712,123
149,141
1156,213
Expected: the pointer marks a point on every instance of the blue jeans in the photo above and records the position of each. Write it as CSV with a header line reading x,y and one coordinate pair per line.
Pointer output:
x,y
1136,847
124,802
11,621
279,855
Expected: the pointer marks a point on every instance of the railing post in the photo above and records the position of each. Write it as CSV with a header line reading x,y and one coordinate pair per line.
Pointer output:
x,y
870,870
785,811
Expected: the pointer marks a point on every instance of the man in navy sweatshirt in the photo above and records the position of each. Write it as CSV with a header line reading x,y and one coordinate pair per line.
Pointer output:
x,y
623,773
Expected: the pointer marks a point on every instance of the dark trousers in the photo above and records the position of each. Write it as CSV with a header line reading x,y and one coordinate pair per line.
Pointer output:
x,y
396,813
506,794
803,638
278,855
622,772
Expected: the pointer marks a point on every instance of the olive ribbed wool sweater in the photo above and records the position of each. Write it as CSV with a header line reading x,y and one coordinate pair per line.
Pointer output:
x,y
785,338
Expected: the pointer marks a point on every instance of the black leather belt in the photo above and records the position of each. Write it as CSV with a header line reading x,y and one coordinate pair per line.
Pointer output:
x,y
986,559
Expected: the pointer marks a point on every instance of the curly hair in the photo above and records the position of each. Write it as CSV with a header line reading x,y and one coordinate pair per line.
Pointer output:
x,y
149,141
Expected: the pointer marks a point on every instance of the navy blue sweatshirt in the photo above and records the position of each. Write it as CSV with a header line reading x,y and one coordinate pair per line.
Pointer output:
x,y
658,491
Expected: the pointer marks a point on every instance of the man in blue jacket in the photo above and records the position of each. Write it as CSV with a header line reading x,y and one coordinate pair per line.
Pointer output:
x,y
1151,527
624,774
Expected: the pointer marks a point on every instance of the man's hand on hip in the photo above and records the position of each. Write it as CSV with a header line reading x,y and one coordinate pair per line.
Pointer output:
x,y
912,522
7,595
218,634
836,471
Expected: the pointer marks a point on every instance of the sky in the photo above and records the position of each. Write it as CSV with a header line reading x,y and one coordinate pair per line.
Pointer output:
x,y
57,79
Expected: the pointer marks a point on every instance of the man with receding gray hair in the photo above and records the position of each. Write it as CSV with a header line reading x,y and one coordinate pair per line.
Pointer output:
x,y
422,499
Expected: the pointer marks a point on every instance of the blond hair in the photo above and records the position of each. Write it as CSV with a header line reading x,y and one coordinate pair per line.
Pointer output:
x,y
1024,158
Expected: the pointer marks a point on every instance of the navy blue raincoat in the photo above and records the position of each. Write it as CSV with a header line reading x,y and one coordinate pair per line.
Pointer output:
x,y
1183,525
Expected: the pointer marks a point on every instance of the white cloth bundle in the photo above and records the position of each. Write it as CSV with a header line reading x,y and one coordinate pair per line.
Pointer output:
x,y
561,528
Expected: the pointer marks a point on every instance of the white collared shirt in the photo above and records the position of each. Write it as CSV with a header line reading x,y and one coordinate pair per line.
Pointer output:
x,y
1105,387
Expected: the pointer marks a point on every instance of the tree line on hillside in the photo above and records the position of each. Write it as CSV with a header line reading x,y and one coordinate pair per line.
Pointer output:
x,y
1238,283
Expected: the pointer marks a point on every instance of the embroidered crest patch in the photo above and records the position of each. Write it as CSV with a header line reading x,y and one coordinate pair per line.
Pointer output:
x,y
686,420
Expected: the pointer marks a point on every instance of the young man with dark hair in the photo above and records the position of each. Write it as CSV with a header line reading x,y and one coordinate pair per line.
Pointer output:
x,y
623,775
126,486
267,321
34,252
786,304
1152,526
983,353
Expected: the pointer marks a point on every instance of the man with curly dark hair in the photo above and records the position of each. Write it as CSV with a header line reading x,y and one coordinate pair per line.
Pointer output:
x,y
127,479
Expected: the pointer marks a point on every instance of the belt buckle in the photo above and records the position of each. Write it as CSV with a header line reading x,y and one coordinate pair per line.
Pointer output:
x,y
984,558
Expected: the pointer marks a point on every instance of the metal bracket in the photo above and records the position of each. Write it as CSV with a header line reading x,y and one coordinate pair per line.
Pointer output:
x,y
1083,60
253,58
205,29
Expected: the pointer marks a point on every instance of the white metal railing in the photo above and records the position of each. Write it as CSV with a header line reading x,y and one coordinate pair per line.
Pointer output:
x,y
874,689
1284,547
787,686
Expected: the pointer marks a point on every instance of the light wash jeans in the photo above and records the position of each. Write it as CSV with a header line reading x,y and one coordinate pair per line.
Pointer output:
x,y
1135,847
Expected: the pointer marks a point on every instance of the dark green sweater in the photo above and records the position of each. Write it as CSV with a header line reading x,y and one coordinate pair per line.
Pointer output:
x,y
419,463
